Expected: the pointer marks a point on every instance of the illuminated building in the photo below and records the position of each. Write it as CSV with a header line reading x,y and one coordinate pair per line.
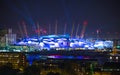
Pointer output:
x,y
64,42
10,37
2,37
17,60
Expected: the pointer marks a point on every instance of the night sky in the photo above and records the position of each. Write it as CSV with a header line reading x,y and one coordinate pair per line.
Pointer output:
x,y
100,14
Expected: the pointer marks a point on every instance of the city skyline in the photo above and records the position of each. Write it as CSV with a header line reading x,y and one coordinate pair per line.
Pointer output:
x,y
100,15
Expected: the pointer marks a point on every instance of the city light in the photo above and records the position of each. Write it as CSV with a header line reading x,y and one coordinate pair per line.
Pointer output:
x,y
64,41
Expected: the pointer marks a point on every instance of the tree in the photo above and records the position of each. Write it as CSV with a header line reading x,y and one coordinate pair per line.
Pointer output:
x,y
32,70
50,73
7,69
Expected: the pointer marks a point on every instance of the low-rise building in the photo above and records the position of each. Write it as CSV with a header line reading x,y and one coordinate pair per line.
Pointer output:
x,y
17,60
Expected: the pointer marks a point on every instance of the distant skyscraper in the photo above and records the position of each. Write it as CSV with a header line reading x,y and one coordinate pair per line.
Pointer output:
x,y
10,37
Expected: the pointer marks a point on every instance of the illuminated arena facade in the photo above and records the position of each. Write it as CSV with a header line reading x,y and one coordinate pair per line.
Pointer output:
x,y
65,42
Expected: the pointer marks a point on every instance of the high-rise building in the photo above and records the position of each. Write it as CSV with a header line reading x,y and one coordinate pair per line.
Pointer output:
x,y
10,37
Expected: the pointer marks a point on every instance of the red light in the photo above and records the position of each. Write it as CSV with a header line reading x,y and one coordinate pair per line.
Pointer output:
x,y
85,23
116,32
